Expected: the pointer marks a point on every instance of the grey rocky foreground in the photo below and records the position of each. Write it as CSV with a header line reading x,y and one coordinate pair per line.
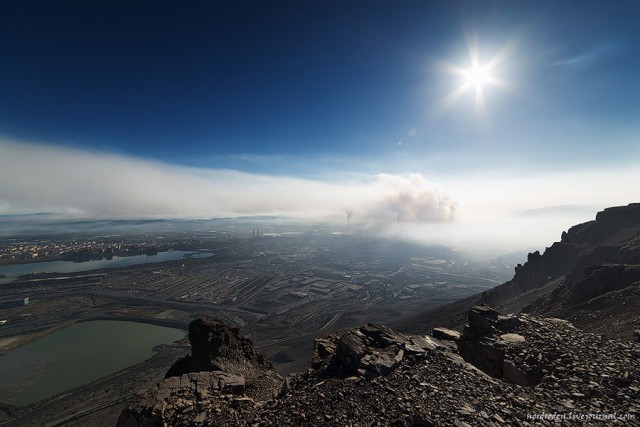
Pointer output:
x,y
518,369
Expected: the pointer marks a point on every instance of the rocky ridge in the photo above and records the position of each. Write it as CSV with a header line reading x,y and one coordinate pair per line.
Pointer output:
x,y
502,370
591,277
591,260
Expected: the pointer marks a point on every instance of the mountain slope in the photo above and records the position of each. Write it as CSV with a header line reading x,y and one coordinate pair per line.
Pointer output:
x,y
589,277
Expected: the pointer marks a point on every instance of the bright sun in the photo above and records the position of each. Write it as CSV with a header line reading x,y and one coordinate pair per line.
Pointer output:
x,y
476,77
479,78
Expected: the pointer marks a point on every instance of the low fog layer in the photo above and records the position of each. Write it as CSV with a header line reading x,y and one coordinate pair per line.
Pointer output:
x,y
504,212
41,178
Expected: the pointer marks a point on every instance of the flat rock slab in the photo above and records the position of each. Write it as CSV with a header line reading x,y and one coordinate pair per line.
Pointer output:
x,y
512,338
445,334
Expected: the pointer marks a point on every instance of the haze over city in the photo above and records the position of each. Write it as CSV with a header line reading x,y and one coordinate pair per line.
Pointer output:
x,y
498,123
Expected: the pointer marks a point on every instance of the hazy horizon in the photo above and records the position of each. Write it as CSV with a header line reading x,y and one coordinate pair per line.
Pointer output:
x,y
461,123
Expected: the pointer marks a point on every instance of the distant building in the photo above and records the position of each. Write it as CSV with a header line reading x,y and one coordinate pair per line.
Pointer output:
x,y
298,295
26,301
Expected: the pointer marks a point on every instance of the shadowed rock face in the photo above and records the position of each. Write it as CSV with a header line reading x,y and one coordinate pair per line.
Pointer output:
x,y
611,238
588,277
216,346
599,280
620,215
221,363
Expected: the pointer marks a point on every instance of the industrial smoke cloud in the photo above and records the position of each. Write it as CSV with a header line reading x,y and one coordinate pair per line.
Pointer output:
x,y
412,199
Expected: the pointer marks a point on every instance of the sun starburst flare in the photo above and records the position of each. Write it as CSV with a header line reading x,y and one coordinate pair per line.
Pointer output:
x,y
477,77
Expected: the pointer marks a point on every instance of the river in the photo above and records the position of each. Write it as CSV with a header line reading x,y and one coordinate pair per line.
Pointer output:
x,y
12,271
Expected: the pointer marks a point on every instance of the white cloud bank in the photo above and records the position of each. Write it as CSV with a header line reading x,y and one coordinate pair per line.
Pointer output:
x,y
493,210
44,178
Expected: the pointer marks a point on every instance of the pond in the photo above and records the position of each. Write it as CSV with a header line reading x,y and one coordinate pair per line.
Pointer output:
x,y
77,355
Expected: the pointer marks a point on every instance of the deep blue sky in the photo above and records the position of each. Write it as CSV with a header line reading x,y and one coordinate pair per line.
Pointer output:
x,y
207,83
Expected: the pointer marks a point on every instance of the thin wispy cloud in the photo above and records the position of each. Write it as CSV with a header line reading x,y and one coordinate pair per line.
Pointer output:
x,y
589,56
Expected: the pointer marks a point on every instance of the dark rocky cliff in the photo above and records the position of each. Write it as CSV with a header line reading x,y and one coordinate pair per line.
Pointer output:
x,y
588,277
594,264
613,238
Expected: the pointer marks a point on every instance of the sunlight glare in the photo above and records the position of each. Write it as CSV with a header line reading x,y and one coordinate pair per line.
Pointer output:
x,y
477,77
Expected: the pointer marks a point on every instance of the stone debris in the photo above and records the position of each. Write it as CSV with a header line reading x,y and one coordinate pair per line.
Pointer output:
x,y
510,370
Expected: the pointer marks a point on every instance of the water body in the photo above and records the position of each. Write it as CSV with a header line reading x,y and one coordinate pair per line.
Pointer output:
x,y
10,271
77,355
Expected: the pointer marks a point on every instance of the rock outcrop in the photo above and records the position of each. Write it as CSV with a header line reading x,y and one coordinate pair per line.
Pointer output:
x,y
490,344
599,280
367,352
216,346
223,370
502,370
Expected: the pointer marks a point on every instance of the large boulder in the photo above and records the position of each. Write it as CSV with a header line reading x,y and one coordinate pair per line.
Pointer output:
x,y
323,350
374,349
482,319
486,354
489,343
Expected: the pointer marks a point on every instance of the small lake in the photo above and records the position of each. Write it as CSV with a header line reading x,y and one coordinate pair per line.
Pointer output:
x,y
77,355
10,271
